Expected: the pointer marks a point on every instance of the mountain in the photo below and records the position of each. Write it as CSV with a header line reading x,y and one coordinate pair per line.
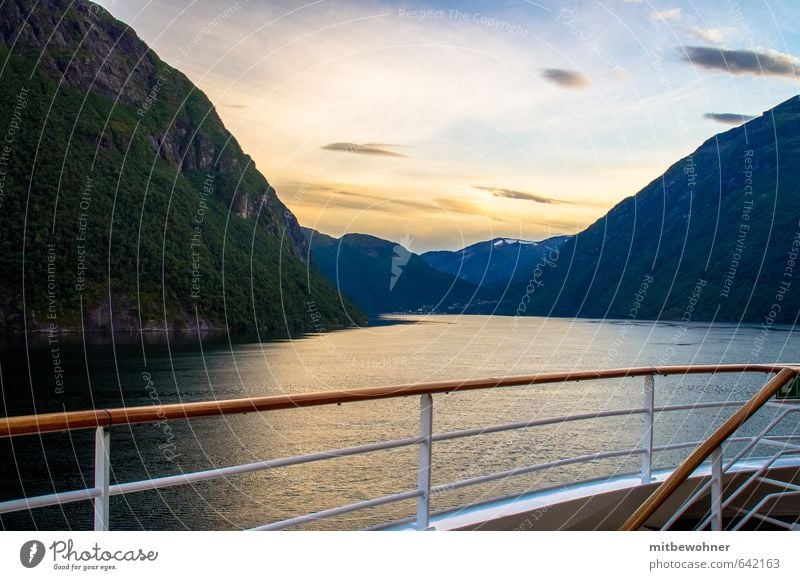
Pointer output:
x,y
716,237
383,276
496,261
124,201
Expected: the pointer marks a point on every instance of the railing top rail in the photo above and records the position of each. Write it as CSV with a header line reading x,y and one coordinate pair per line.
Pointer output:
x,y
74,420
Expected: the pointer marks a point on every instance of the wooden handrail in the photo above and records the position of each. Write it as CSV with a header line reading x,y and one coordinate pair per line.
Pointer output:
x,y
704,450
73,420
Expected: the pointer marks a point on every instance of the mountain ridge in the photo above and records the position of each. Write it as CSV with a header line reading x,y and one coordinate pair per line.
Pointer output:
x,y
496,261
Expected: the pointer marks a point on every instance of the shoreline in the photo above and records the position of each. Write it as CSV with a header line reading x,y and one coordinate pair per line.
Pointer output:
x,y
387,319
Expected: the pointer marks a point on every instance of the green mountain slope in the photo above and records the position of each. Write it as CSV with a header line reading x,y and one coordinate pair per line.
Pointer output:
x,y
714,238
124,201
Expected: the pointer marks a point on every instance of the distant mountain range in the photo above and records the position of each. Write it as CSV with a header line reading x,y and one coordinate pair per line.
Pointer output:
x,y
382,276
497,261
716,237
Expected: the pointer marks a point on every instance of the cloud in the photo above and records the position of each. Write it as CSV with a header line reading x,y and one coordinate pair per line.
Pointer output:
x,y
329,195
761,62
565,78
303,187
450,204
235,106
671,14
728,118
381,149
711,35
515,194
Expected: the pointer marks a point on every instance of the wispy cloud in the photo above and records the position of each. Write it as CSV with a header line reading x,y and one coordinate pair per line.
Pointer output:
x,y
760,62
671,14
337,196
235,106
516,194
711,35
459,206
565,78
382,149
329,195
728,118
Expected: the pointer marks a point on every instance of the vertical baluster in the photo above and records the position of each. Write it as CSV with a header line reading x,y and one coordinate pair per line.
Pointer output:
x,y
716,489
102,442
647,428
424,467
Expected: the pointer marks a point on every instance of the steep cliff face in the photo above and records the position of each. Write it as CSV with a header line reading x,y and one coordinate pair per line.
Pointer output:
x,y
125,200
83,46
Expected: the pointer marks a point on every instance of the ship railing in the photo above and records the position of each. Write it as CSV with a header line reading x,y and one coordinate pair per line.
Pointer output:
x,y
721,497
104,420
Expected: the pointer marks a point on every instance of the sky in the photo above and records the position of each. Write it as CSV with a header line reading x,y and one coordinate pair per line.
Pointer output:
x,y
446,123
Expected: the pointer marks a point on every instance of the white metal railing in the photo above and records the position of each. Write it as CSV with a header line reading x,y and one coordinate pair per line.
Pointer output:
x,y
103,490
721,498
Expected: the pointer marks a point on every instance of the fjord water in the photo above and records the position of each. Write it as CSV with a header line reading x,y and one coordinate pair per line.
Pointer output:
x,y
143,371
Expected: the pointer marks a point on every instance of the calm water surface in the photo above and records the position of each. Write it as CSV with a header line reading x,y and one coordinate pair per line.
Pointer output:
x,y
131,372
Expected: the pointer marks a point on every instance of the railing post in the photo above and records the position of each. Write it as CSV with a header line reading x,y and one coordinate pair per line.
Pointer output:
x,y
424,468
716,489
102,442
647,428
